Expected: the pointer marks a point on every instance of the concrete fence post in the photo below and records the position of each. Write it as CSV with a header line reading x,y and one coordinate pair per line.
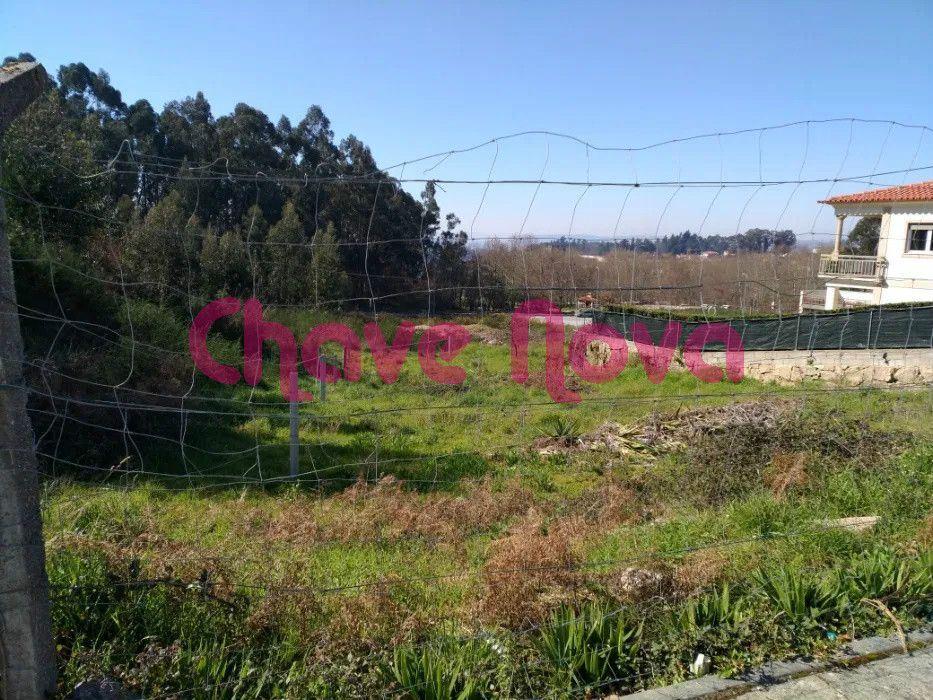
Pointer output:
x,y
293,419
27,661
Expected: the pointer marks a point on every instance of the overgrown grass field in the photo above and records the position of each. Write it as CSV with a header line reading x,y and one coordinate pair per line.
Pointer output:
x,y
481,541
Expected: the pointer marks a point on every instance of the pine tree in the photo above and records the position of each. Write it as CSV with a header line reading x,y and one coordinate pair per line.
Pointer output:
x,y
161,250
288,259
330,280
224,265
254,229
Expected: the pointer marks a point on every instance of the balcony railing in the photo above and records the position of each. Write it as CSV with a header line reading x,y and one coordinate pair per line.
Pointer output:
x,y
812,299
852,266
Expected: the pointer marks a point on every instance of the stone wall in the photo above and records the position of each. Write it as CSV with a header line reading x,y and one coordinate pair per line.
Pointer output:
x,y
847,367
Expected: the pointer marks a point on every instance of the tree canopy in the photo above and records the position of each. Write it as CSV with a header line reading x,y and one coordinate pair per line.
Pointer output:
x,y
863,238
234,203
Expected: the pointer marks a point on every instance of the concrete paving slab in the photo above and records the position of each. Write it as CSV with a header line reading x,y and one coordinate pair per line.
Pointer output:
x,y
900,677
897,676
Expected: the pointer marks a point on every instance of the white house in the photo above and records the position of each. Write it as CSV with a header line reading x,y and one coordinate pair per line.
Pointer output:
x,y
901,269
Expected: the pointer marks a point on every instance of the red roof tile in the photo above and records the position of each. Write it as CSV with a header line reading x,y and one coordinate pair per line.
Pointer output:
x,y
918,192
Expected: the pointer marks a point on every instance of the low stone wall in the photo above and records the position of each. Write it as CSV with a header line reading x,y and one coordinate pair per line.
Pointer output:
x,y
846,367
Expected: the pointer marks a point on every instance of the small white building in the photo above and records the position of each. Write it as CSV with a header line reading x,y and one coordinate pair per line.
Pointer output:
x,y
901,270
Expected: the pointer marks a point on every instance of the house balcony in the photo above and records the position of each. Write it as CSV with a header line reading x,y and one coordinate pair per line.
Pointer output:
x,y
852,267
812,299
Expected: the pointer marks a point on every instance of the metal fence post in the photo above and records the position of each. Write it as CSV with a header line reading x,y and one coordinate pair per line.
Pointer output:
x,y
28,660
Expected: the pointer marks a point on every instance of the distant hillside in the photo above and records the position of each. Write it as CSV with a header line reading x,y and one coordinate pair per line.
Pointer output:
x,y
755,240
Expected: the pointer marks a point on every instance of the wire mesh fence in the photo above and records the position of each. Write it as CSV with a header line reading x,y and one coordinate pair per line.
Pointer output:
x,y
349,422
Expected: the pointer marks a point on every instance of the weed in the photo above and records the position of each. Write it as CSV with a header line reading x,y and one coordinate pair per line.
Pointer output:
x,y
484,544
385,512
699,570
919,593
610,504
787,471
525,569
925,533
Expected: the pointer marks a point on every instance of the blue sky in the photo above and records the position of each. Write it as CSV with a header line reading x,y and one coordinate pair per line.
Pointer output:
x,y
417,78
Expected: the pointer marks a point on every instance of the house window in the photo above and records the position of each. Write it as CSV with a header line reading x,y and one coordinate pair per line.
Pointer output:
x,y
920,238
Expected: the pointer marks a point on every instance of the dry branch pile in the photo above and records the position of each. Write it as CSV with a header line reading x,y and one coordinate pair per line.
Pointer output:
x,y
670,431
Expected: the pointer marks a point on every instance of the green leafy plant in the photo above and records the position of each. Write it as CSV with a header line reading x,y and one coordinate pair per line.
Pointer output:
x,y
919,593
448,670
590,645
802,597
880,574
561,428
921,575
718,608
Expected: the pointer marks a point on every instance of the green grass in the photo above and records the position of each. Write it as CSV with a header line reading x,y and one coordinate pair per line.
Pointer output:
x,y
420,430
444,583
